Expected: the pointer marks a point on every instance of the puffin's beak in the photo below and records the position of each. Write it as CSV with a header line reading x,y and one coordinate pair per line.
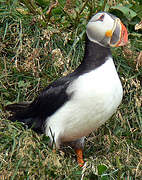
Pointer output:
x,y
118,35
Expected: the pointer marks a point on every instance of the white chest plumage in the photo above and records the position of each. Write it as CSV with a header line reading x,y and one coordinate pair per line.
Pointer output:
x,y
96,96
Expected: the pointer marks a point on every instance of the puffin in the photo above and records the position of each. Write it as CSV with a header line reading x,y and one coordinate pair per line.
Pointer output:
x,y
73,106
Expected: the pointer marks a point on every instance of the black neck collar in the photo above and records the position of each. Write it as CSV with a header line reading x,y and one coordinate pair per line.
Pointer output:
x,y
95,55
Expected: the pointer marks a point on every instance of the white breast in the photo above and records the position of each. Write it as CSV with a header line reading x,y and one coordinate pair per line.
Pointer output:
x,y
96,96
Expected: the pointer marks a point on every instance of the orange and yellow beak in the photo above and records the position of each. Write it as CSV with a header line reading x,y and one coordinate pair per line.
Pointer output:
x,y
118,35
123,40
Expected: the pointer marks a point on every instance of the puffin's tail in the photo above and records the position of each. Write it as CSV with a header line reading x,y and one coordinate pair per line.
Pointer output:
x,y
17,107
24,112
20,111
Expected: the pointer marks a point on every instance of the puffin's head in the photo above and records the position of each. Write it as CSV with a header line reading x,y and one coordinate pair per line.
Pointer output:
x,y
107,30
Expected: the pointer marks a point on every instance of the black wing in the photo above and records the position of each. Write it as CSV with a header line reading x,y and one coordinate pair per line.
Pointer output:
x,y
49,101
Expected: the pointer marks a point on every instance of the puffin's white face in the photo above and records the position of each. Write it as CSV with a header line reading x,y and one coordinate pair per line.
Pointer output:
x,y
107,30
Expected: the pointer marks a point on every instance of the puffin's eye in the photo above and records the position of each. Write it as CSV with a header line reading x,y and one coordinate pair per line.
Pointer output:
x,y
101,18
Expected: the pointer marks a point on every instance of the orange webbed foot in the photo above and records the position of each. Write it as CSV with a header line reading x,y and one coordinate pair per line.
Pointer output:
x,y
79,154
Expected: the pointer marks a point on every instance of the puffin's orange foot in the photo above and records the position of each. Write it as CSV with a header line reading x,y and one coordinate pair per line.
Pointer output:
x,y
79,153
54,150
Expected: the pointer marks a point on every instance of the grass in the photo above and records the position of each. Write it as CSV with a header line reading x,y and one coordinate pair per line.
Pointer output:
x,y
31,56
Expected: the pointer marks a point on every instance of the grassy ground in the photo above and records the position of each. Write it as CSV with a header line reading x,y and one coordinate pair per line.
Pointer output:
x,y
34,53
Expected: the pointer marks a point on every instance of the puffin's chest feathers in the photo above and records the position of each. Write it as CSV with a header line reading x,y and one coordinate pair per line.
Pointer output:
x,y
95,97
